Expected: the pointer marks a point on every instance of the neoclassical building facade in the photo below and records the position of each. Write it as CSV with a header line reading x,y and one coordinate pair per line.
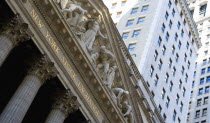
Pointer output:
x,y
64,61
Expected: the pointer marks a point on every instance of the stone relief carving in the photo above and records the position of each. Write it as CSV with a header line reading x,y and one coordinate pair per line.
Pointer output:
x,y
92,30
119,93
110,76
105,57
127,112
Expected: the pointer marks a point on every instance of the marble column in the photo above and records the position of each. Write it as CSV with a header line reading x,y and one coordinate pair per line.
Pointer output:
x,y
12,34
17,107
65,104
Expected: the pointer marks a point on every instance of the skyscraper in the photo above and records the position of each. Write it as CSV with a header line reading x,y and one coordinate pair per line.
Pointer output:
x,y
163,40
199,103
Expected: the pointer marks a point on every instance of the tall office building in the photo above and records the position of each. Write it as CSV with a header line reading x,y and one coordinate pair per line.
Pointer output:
x,y
163,41
199,104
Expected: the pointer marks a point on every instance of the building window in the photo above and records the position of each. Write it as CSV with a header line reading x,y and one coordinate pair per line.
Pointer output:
x,y
156,79
186,77
169,4
184,22
185,57
205,101
174,115
151,70
207,89
190,52
194,74
166,15
203,71
207,43
160,64
134,11
144,8
187,45
174,71
125,35
140,20
118,14
199,102
159,108
163,27
177,99
163,49
163,93
203,121
183,69
179,121
179,45
208,69
204,62
182,33
177,57
123,3
170,24
173,12
180,84
170,63
189,34
159,41
176,1
181,14
183,92
178,25
208,36
208,79
114,5
167,36
173,49
167,102
136,33
156,55
201,81
181,106
171,86
166,77
202,10
197,114
164,117
200,92
131,47
193,84
176,36
206,52
130,22
191,94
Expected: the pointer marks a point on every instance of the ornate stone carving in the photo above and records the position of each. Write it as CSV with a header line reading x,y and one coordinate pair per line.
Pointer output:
x,y
93,30
104,59
43,68
110,76
127,112
66,102
17,31
120,94
63,3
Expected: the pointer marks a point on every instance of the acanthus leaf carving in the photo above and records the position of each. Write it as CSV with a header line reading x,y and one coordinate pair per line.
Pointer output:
x,y
17,30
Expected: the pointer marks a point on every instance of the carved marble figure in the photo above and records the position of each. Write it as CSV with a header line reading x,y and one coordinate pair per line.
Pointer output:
x,y
93,30
110,76
104,60
63,3
127,112
119,93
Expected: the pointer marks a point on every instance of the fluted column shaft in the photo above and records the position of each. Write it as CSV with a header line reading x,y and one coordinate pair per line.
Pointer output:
x,y
5,48
17,107
56,116
11,35
19,104
65,103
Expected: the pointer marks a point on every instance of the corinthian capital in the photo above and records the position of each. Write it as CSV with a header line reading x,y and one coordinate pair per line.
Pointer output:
x,y
66,102
43,68
17,30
